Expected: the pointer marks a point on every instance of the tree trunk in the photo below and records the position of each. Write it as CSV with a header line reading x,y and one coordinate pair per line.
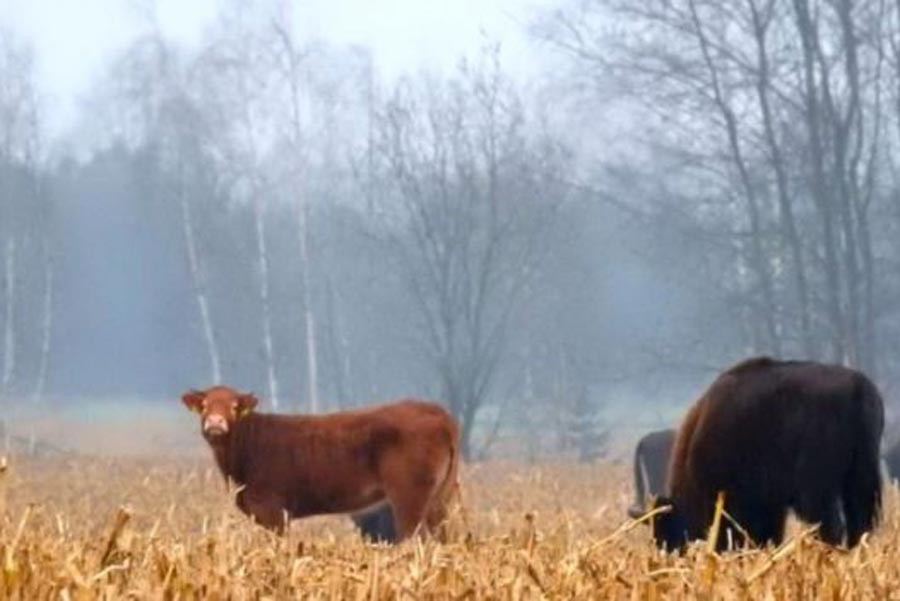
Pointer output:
x,y
46,328
9,329
821,194
869,349
786,212
754,214
263,261
293,74
312,368
468,425
199,287
338,348
851,138
370,135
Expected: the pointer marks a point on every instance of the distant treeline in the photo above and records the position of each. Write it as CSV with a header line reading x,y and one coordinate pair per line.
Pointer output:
x,y
703,182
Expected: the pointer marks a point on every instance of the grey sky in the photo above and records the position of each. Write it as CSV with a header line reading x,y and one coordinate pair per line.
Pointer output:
x,y
73,38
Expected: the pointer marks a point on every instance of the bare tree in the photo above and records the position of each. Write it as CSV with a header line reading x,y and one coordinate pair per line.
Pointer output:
x,y
776,103
470,193
762,18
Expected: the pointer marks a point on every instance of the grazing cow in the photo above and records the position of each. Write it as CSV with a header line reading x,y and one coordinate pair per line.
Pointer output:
x,y
776,435
403,455
651,462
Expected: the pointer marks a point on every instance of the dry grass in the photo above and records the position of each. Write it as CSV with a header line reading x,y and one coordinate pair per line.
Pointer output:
x,y
553,531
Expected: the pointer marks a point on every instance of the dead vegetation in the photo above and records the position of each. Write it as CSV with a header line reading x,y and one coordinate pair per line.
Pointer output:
x,y
165,529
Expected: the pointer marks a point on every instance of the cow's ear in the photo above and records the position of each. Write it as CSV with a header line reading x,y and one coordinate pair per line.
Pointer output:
x,y
193,400
246,404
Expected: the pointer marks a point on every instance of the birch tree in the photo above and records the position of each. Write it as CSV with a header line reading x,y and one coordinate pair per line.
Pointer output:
x,y
185,150
290,63
235,81
21,203
153,104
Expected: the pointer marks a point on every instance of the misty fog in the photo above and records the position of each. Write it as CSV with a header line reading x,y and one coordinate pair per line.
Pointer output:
x,y
560,219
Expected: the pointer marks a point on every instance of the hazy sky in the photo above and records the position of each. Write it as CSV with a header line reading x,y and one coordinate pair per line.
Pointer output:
x,y
73,38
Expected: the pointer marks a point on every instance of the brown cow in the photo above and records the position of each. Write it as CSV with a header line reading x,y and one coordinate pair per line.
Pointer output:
x,y
773,436
402,454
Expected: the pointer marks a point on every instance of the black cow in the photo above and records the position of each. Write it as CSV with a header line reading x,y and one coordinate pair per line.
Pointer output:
x,y
651,464
773,436
377,525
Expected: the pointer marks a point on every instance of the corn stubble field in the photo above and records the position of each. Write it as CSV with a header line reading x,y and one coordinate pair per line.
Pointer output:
x,y
80,528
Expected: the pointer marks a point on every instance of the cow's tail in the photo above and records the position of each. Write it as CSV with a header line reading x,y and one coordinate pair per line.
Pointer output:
x,y
452,486
640,492
448,502
862,486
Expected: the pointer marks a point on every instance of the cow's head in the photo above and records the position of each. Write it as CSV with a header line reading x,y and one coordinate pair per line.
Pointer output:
x,y
220,408
669,527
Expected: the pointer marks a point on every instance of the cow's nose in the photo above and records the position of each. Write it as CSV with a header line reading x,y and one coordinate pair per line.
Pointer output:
x,y
215,424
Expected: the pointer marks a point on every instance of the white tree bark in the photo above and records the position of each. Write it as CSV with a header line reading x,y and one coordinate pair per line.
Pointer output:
x,y
293,73
200,289
46,330
9,329
312,367
263,258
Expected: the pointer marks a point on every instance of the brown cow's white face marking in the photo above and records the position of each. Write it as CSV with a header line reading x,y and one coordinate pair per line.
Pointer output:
x,y
215,425
219,408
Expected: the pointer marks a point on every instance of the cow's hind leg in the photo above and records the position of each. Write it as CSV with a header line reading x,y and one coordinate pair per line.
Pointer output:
x,y
861,496
446,496
770,525
826,512
763,521
437,514
832,529
409,492
409,503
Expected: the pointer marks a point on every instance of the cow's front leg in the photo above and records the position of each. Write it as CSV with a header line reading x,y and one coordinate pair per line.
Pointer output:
x,y
266,510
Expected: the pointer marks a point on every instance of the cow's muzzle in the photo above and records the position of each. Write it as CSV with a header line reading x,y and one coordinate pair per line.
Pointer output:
x,y
215,426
